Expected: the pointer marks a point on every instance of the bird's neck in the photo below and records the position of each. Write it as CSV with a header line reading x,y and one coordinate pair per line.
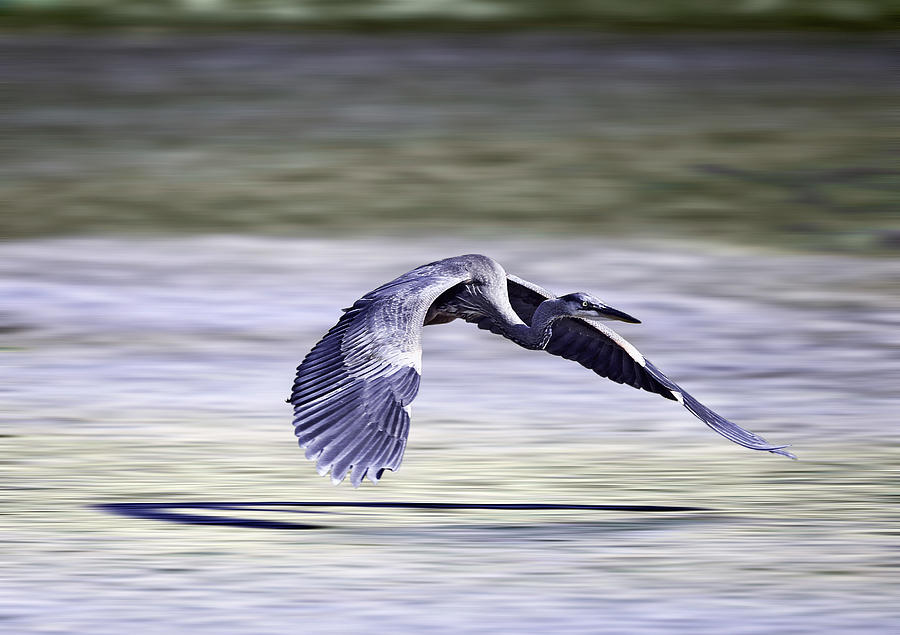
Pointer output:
x,y
537,335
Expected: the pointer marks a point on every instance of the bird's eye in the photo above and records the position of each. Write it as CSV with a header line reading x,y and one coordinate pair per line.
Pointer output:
x,y
585,304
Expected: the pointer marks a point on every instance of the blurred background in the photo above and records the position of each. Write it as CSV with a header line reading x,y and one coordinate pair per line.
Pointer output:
x,y
194,188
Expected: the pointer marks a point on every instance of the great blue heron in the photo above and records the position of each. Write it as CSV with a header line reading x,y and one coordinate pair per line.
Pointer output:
x,y
353,391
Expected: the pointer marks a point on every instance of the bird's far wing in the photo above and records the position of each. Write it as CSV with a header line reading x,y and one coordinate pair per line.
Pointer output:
x,y
597,347
352,393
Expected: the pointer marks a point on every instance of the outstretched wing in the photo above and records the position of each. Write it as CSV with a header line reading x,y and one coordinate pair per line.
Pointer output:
x,y
602,350
352,393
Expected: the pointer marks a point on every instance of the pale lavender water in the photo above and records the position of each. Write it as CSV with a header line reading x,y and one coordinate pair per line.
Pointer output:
x,y
155,371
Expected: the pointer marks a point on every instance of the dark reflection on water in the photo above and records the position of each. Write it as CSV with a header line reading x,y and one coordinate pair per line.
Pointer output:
x,y
164,511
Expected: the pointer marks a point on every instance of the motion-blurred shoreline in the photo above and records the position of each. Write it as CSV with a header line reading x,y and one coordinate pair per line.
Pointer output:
x,y
394,16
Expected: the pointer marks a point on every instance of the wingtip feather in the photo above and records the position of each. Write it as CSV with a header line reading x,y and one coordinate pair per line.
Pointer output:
x,y
784,452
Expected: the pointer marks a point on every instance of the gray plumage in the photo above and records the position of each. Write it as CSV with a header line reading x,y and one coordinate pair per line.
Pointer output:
x,y
352,393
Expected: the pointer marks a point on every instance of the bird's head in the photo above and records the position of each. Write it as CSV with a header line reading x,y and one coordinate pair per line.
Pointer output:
x,y
584,305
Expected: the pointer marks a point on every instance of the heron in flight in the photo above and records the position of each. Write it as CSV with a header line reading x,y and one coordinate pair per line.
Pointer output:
x,y
352,392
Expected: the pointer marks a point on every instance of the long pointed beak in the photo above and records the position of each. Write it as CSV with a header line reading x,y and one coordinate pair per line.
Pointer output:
x,y
610,313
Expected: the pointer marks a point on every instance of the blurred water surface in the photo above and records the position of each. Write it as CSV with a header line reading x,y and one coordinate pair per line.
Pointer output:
x,y
772,139
154,370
